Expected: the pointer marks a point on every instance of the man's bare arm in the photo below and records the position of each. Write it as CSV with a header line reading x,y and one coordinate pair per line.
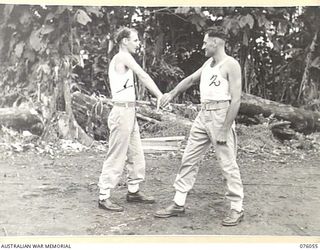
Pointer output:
x,y
186,83
182,86
128,60
234,77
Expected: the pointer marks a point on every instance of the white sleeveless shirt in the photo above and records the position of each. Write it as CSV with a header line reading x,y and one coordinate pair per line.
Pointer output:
x,y
122,85
213,87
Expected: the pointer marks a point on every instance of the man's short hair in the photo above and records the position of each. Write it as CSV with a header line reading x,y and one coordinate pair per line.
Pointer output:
x,y
217,31
123,32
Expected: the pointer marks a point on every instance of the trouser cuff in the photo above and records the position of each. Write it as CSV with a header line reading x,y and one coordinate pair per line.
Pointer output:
x,y
236,206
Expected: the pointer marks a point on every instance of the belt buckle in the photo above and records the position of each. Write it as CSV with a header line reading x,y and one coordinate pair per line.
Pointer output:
x,y
129,104
205,106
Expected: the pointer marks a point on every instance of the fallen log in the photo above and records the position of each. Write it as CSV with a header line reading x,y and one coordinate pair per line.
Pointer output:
x,y
89,111
92,113
11,100
21,119
282,131
253,107
304,121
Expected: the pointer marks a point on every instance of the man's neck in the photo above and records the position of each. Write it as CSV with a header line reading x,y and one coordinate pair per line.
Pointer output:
x,y
219,56
123,49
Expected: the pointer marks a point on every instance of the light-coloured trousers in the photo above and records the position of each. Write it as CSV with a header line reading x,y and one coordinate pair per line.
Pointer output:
x,y
202,135
125,149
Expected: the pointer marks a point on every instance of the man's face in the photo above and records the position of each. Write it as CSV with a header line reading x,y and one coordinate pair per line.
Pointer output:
x,y
133,43
209,46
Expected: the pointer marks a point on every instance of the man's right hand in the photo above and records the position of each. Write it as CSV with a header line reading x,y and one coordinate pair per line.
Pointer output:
x,y
158,102
166,98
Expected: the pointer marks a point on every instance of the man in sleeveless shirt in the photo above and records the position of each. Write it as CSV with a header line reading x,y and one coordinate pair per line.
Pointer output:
x,y
220,92
125,147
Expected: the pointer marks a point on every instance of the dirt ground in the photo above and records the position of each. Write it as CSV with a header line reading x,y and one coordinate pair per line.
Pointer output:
x,y
44,194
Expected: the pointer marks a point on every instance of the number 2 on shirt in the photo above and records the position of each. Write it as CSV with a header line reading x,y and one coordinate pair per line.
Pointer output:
x,y
214,81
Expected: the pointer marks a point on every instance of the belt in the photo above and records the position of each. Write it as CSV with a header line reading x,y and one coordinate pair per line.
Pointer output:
x,y
214,105
124,104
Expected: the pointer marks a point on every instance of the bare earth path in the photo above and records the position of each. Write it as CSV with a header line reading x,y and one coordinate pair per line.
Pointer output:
x,y
41,195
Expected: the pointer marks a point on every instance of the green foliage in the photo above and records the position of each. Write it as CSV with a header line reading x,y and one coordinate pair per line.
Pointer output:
x,y
40,45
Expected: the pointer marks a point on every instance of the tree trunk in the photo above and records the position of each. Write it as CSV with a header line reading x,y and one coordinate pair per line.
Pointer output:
x,y
306,75
21,119
72,128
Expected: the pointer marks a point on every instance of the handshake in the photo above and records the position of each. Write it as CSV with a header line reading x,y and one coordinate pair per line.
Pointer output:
x,y
164,100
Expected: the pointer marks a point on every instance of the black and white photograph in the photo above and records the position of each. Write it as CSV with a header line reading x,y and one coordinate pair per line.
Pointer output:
x,y
159,121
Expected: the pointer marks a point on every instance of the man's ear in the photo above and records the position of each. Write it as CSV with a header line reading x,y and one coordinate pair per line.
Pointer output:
x,y
220,41
125,40
215,41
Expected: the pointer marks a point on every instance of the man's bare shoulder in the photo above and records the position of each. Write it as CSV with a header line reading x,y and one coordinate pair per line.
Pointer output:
x,y
124,56
232,62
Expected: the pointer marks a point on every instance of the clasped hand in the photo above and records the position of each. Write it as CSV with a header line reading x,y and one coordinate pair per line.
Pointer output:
x,y
164,100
